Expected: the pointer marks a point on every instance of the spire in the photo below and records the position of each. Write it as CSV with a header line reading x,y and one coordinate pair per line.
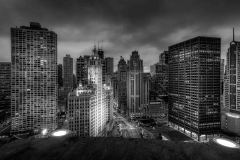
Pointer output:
x,y
94,49
233,35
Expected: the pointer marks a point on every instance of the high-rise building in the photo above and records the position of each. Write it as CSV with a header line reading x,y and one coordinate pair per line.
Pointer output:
x,y
222,76
232,91
114,85
33,79
100,53
159,77
194,86
135,87
122,83
87,107
60,75
163,58
74,81
81,115
5,90
135,63
144,93
82,70
231,119
108,70
68,73
108,100
95,79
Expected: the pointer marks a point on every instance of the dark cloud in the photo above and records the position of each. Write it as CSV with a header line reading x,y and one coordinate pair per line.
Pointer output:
x,y
124,25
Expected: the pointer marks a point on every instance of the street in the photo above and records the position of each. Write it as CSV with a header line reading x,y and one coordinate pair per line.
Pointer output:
x,y
123,128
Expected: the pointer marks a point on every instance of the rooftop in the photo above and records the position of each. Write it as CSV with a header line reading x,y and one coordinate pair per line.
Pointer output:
x,y
113,148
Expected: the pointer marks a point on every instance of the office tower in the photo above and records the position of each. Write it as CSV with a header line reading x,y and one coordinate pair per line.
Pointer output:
x,y
232,92
194,86
107,70
122,83
107,65
163,58
222,83
135,63
159,77
60,76
114,85
74,81
231,119
33,79
5,90
155,69
100,53
95,79
87,105
68,73
222,75
81,115
108,99
135,87
82,70
144,93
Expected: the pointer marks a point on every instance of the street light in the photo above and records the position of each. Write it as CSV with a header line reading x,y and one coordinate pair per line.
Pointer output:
x,y
44,132
226,142
59,133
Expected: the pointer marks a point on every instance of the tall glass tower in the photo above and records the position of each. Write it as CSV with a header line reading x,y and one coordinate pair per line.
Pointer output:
x,y
194,86
33,79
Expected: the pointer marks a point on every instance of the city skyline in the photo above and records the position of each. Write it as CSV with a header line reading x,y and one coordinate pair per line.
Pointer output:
x,y
119,79
149,27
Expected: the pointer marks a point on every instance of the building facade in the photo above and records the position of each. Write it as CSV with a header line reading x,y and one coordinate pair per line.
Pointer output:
x,y
122,83
95,79
60,75
82,70
81,104
136,87
232,89
33,79
5,90
68,73
108,100
194,86
108,70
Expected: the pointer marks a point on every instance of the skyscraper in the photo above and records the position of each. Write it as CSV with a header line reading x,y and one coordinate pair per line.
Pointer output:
x,y
159,77
82,70
122,85
134,85
108,100
33,78
68,73
232,92
231,119
194,86
108,70
60,75
95,79
81,113
5,90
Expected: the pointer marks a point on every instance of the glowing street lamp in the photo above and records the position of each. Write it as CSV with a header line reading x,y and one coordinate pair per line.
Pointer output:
x,y
59,133
226,142
44,132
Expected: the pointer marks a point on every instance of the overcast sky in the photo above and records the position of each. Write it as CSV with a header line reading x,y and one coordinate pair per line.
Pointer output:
x,y
148,26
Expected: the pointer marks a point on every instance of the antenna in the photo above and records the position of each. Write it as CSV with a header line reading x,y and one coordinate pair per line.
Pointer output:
x,y
94,48
233,35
